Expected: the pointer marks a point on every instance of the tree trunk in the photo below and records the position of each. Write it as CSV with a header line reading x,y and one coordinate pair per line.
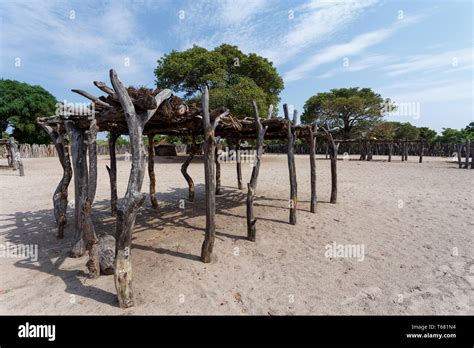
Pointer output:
x,y
333,153
184,171
390,150
218,171
58,136
112,170
134,198
252,185
239,165
422,148
312,162
460,154
209,152
85,182
291,167
468,153
151,171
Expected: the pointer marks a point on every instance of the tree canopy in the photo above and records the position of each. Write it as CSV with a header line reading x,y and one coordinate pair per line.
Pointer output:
x,y
234,79
354,110
20,105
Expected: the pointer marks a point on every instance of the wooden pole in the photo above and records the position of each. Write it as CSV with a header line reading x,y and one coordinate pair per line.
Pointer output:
x,y
16,157
134,198
460,145
468,153
312,163
151,171
252,185
209,152
390,150
184,171
406,149
291,166
422,148
218,171
85,181
239,164
369,151
58,136
112,170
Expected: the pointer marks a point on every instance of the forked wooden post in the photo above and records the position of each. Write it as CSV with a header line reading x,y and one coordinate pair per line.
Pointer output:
x,y
252,185
209,152
112,170
291,165
184,171
83,140
16,157
134,198
312,163
58,136
151,171
239,164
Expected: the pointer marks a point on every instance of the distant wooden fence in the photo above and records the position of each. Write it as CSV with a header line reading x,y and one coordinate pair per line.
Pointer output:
x,y
433,149
382,149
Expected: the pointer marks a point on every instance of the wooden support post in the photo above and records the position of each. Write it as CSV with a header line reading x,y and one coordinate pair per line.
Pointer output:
x,y
85,181
58,136
422,148
209,152
460,145
468,153
390,150
239,164
291,166
218,171
134,198
369,151
151,171
16,157
312,163
112,170
184,171
252,185
333,153
406,149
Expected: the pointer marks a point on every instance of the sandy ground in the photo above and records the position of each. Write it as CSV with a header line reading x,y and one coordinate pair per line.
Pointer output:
x,y
415,222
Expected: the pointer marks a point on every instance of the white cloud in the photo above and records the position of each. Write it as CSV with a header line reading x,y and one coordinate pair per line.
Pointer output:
x,y
339,51
272,29
77,47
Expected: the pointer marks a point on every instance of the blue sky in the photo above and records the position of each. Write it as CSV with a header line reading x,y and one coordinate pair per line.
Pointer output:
x,y
412,51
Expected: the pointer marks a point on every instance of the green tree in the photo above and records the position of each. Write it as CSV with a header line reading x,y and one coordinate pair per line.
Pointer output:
x,y
406,131
468,132
234,78
20,105
427,133
450,135
356,111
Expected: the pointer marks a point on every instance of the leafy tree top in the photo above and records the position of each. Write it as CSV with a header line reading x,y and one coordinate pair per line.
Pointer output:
x,y
355,110
20,105
234,78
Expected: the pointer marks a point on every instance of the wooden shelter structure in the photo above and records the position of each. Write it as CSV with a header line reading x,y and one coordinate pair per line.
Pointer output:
x,y
144,112
13,155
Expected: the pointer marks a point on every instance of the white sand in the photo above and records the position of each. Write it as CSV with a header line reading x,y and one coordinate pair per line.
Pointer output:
x,y
418,258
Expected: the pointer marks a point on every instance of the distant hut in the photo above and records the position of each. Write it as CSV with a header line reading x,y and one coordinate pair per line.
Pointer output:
x,y
163,148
